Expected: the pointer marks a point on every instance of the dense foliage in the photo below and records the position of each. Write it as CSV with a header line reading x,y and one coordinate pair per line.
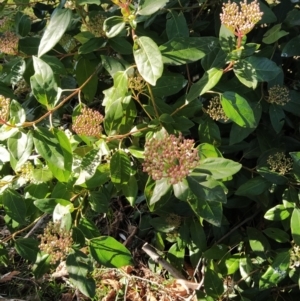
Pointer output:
x,y
181,115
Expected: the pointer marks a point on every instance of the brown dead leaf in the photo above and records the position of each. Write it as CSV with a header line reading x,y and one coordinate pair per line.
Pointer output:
x,y
151,297
127,269
61,270
67,297
133,295
110,296
115,284
8,276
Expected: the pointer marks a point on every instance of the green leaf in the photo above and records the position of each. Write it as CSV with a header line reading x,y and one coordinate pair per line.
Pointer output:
x,y
89,165
277,213
210,211
213,284
295,222
176,25
277,117
14,205
62,214
162,188
216,252
120,168
59,22
277,234
258,242
181,190
17,113
214,59
121,45
20,146
276,272
78,266
29,45
206,83
47,205
183,50
237,109
99,200
48,147
113,26
109,252
28,248
232,264
42,265
91,45
148,59
22,24
274,34
84,69
218,168
176,256
43,83
209,131
130,190
149,7
227,39
291,48
88,228
254,186
169,84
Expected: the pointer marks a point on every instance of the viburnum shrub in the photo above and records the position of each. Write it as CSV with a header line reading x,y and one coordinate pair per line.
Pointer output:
x,y
178,117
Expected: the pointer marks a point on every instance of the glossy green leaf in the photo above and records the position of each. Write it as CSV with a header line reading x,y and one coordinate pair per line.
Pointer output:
x,y
91,45
176,256
275,272
258,242
277,117
169,84
181,190
274,34
295,222
162,187
89,165
121,45
291,48
213,284
216,252
113,26
62,214
246,268
28,248
84,69
78,266
149,7
99,200
232,264
120,168
237,109
20,147
48,147
59,22
88,228
207,82
14,205
130,190
47,205
227,39
29,45
148,59
183,50
22,23
218,168
43,83
277,234
176,25
209,211
42,265
16,112
254,186
277,213
209,131
109,252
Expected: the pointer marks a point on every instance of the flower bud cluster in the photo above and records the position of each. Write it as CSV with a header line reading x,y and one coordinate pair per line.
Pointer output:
x,y
56,242
295,256
136,83
6,24
95,25
88,123
280,163
278,95
240,20
215,109
171,157
70,4
21,88
4,108
26,171
173,220
9,43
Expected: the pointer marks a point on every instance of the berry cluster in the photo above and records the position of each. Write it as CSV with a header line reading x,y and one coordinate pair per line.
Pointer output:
x,y
172,158
280,163
278,95
9,43
240,20
215,109
88,123
4,108
56,242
